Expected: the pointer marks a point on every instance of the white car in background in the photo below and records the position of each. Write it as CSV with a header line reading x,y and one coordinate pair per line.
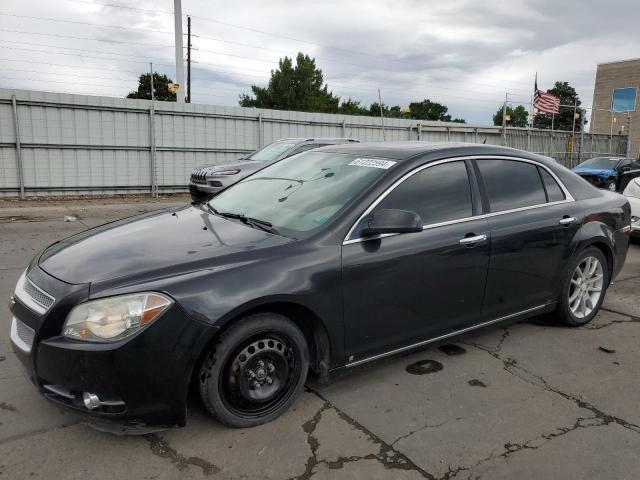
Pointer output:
x,y
632,192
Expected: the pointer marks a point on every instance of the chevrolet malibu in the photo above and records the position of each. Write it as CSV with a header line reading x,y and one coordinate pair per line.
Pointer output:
x,y
318,263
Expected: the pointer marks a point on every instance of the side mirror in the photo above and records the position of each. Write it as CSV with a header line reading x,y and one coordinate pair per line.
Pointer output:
x,y
626,168
392,221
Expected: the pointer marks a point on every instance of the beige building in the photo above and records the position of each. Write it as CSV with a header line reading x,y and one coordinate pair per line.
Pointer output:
x,y
615,101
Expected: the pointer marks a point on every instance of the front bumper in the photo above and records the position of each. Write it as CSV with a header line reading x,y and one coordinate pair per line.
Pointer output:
x,y
596,180
199,190
141,382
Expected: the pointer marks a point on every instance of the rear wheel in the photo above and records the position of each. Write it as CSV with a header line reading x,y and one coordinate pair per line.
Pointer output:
x,y
584,288
255,370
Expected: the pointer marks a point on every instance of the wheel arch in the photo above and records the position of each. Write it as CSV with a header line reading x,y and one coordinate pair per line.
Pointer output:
x,y
599,235
309,322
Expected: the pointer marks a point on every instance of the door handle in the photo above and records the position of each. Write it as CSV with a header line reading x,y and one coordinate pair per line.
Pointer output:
x,y
567,220
472,240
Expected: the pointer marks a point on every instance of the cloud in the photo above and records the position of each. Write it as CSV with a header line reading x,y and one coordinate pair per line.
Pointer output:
x,y
463,53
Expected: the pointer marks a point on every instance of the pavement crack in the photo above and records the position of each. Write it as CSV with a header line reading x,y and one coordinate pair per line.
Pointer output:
x,y
387,455
161,447
424,427
628,319
511,366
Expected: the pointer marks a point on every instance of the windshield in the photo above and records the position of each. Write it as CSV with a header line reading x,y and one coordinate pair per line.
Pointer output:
x,y
601,162
270,152
300,193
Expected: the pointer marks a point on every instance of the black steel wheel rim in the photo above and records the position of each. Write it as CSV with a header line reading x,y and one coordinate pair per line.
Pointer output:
x,y
260,375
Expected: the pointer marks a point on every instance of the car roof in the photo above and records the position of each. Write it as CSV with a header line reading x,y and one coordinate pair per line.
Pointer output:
x,y
319,139
405,150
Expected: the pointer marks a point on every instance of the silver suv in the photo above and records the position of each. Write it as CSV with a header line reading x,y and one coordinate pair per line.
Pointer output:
x,y
213,178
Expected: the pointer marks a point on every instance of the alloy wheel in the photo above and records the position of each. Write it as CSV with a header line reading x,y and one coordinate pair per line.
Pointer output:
x,y
585,288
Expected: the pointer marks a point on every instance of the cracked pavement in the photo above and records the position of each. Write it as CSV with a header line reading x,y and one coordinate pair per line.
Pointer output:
x,y
527,401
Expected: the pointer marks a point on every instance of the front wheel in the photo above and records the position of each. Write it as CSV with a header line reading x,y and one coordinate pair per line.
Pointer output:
x,y
254,371
610,185
584,288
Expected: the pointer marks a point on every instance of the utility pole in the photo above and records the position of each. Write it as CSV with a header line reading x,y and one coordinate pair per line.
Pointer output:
x,y
152,139
381,114
188,59
504,119
151,79
177,16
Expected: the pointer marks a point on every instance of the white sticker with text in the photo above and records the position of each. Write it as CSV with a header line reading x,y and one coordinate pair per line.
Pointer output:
x,y
373,163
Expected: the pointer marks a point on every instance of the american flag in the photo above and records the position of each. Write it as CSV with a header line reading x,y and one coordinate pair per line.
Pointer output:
x,y
544,102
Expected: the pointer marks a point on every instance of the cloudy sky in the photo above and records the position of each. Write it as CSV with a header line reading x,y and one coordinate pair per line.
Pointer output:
x,y
465,54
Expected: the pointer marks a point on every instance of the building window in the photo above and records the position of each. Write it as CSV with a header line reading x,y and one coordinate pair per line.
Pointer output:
x,y
624,99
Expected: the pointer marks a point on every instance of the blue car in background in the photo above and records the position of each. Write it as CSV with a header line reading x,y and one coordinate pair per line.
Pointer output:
x,y
608,172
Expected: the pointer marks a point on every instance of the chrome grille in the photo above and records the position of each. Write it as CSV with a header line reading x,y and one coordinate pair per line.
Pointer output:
x,y
22,335
199,176
33,296
38,295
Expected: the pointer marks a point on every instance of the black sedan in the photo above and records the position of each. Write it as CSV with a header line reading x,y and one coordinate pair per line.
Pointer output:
x,y
332,259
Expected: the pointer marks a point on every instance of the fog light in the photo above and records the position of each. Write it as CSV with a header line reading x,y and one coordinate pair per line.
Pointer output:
x,y
91,400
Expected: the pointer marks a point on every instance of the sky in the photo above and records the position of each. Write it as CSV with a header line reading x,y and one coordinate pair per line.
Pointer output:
x,y
465,54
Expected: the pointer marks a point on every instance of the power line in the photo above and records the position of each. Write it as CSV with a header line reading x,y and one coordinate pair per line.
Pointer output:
x,y
79,49
76,22
211,38
87,38
84,67
82,56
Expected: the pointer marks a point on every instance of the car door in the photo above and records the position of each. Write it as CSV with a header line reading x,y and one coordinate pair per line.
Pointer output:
x,y
532,220
628,175
402,289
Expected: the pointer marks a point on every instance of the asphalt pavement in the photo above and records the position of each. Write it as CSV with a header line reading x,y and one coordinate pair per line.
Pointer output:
x,y
527,401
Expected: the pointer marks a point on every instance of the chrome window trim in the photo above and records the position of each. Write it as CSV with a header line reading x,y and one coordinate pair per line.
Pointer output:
x,y
446,335
21,294
568,197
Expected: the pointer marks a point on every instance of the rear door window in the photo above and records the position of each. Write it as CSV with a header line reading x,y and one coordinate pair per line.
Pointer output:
x,y
511,184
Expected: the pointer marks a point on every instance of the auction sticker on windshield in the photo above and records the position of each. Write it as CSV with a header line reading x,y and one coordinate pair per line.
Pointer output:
x,y
373,163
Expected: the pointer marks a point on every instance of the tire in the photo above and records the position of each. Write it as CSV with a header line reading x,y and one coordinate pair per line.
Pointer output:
x,y
579,299
254,371
610,185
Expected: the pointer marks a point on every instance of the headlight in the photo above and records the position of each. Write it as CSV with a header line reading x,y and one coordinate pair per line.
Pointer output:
x,y
226,172
111,319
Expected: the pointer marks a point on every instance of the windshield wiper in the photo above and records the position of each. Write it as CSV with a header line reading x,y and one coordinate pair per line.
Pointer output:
x,y
253,222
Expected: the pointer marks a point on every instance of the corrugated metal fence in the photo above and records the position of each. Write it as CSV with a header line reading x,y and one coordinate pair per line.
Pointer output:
x,y
53,143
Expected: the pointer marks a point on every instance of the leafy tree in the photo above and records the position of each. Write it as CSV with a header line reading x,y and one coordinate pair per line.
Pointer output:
x,y
160,88
300,87
519,117
428,110
352,107
564,120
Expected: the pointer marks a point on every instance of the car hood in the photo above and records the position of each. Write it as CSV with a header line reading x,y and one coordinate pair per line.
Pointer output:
x,y
154,244
244,166
601,172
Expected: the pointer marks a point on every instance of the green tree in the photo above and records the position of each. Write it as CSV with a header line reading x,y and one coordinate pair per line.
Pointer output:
x,y
518,116
300,87
160,88
428,110
564,120
352,107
